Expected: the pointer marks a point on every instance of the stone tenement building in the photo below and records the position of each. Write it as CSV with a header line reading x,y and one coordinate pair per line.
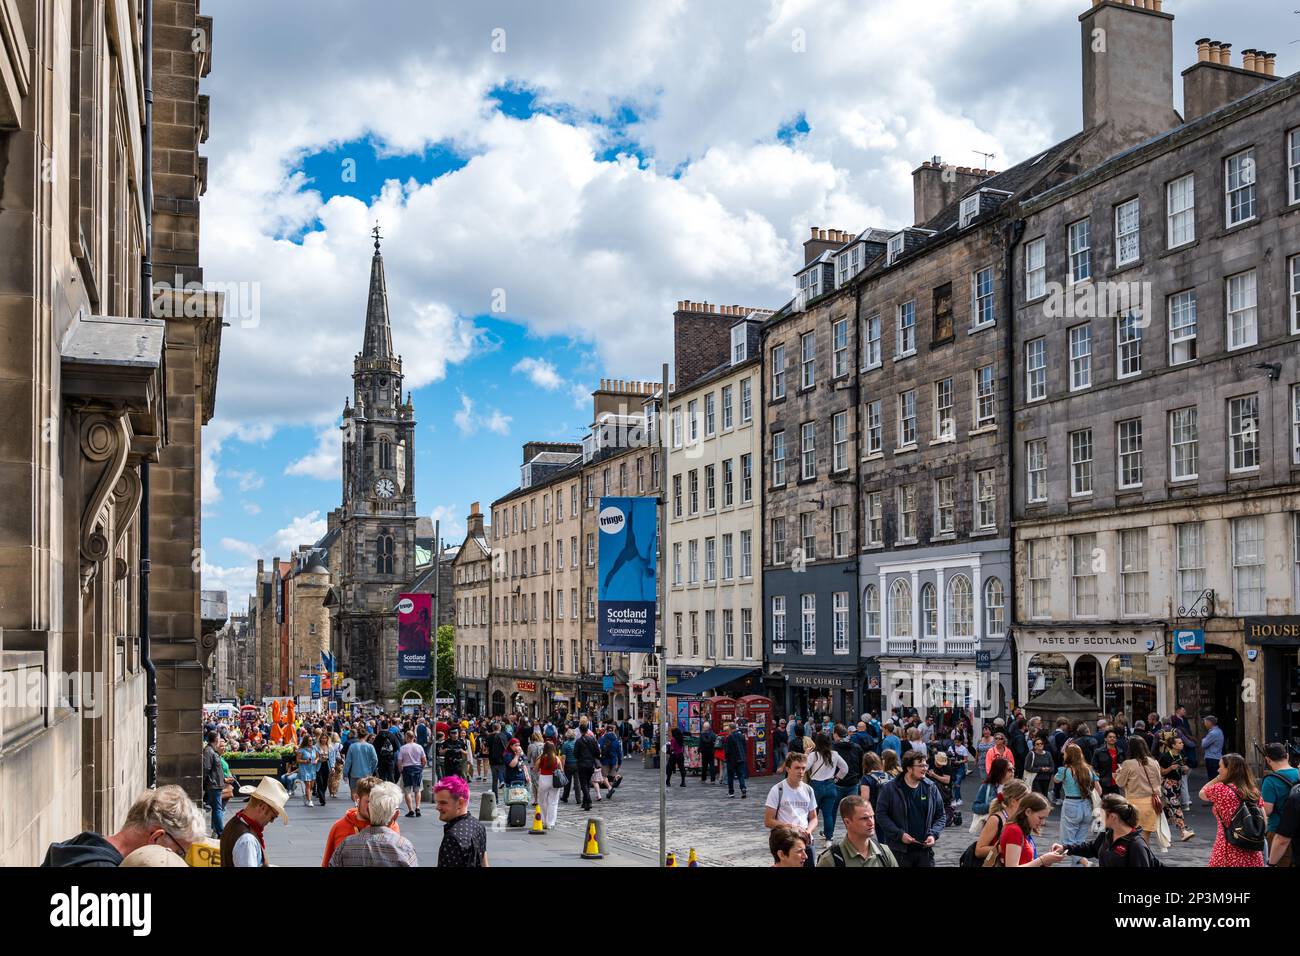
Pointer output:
x,y
810,463
618,459
715,501
1157,398
88,405
535,633
375,552
472,601
929,314
182,643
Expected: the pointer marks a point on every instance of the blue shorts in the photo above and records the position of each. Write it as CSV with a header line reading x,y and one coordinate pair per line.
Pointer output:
x,y
412,777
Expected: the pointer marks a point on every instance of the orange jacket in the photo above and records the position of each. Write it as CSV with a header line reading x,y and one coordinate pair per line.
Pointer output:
x,y
344,827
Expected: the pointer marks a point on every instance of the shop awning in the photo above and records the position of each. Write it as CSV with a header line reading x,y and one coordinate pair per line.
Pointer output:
x,y
710,679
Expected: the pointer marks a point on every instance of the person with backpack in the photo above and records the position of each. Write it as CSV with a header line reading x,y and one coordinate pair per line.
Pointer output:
x,y
858,848
386,748
1274,789
911,813
984,851
1239,840
1120,844
708,765
736,753
792,803
1287,829
843,745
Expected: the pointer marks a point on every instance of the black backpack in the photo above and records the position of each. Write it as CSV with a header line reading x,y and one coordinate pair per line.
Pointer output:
x,y
1247,827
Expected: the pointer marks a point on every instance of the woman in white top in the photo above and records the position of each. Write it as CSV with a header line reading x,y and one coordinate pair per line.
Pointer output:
x,y
792,802
825,769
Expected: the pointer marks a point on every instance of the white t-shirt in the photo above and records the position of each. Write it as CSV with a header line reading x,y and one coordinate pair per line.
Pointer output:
x,y
792,805
819,770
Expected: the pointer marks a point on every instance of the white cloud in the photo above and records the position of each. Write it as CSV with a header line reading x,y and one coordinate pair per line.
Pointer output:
x,y
325,461
252,508
304,529
215,435
452,527
248,480
237,581
581,395
248,550
541,372
469,422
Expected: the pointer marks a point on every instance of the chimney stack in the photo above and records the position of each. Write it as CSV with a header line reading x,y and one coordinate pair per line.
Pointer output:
x,y
475,523
822,240
1128,72
1213,81
935,187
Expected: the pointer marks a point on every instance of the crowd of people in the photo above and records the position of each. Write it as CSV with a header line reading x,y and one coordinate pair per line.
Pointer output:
x,y
1119,788
892,785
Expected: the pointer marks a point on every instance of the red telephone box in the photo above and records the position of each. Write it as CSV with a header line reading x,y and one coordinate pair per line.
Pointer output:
x,y
723,710
756,711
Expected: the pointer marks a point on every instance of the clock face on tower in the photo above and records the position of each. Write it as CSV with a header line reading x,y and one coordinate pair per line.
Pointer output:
x,y
385,488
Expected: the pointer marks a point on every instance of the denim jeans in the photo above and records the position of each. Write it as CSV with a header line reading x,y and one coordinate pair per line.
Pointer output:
x,y
1184,790
958,776
498,777
737,771
827,793
213,799
1076,823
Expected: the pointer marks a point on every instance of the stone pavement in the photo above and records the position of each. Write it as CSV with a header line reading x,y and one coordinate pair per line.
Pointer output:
x,y
724,831
729,831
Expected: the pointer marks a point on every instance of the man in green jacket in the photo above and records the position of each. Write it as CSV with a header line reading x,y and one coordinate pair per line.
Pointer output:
x,y
858,848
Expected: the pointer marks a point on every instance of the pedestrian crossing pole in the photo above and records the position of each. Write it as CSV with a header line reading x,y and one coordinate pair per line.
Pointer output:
x,y
661,645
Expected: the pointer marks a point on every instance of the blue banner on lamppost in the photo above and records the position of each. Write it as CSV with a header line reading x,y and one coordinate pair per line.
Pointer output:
x,y
626,586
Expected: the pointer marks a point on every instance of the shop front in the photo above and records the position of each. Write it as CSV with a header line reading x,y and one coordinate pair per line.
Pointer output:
x,y
1119,668
1276,642
513,695
947,689
818,695
472,696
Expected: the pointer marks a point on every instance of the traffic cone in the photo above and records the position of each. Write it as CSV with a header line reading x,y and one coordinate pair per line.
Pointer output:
x,y
672,859
591,848
537,819
692,860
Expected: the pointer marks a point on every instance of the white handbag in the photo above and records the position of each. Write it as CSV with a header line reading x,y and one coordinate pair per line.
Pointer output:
x,y
1098,818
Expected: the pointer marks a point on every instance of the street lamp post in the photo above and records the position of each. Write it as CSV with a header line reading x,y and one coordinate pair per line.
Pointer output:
x,y
661,643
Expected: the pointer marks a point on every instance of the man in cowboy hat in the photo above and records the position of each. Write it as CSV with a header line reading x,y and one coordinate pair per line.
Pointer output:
x,y
242,843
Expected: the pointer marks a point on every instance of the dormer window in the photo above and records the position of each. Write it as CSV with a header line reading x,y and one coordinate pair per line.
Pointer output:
x,y
970,208
739,343
848,264
895,248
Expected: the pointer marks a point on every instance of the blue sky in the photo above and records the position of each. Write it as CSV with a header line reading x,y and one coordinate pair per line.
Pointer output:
x,y
550,180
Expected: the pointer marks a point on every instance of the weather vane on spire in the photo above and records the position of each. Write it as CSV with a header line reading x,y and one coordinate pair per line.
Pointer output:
x,y
375,232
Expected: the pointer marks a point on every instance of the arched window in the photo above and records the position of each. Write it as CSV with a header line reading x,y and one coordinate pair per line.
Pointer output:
x,y
961,609
384,553
995,608
929,612
871,609
385,453
900,609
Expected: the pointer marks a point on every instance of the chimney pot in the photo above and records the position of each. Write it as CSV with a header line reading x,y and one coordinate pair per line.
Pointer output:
x,y
1248,60
814,232
1203,50
1270,64
1225,54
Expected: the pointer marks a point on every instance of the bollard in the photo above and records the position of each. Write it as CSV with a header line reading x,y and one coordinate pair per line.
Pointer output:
x,y
487,807
692,860
593,844
672,859
537,819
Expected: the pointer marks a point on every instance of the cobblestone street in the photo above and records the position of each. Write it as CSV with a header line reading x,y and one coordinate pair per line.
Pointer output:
x,y
729,831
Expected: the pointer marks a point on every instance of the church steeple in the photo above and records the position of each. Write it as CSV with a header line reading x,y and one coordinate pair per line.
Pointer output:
x,y
379,337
